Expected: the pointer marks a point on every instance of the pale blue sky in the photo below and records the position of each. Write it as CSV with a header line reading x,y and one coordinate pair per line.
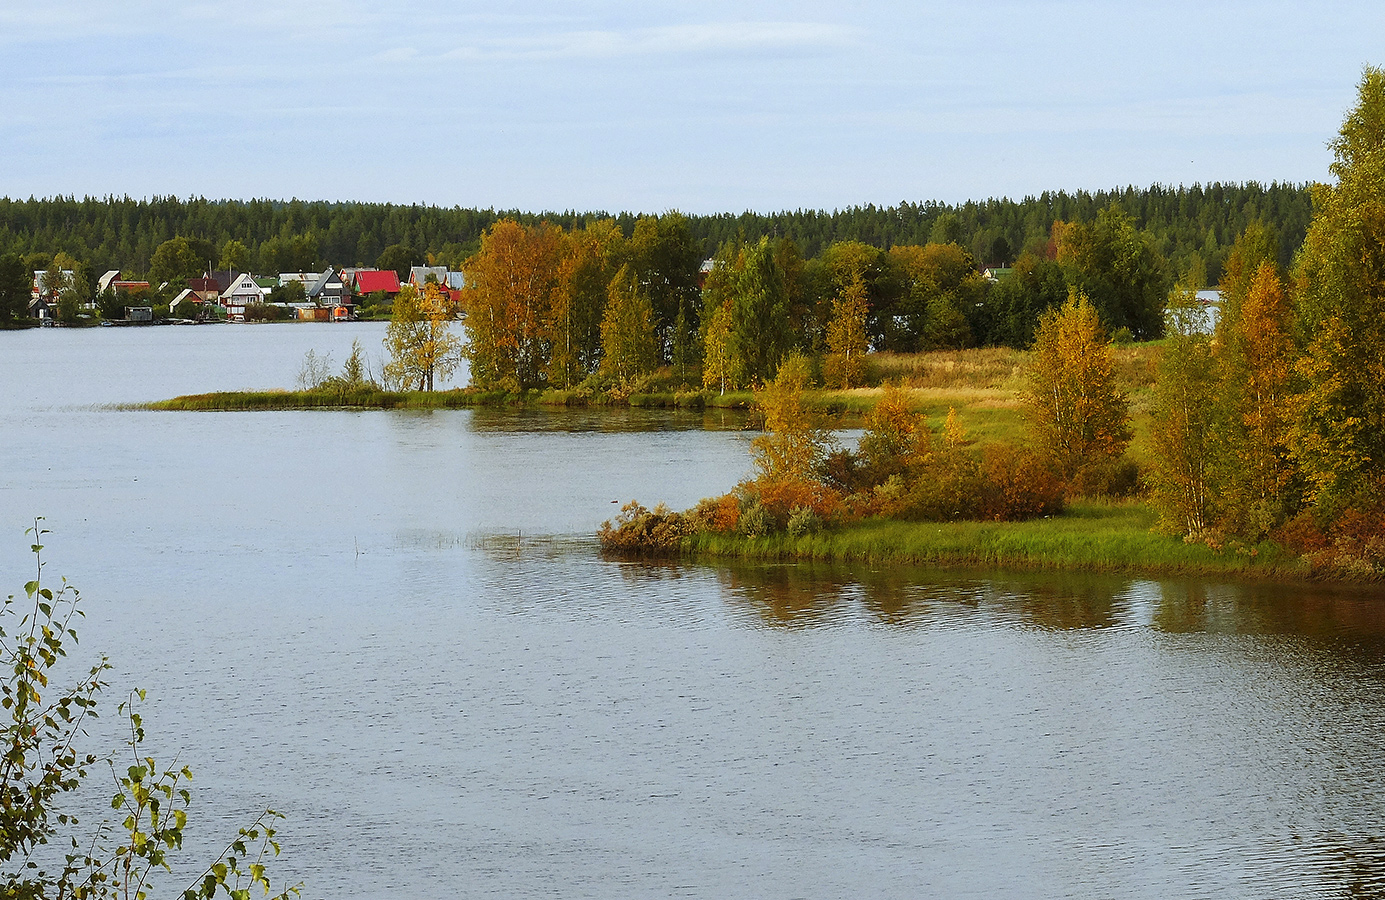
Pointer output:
x,y
717,106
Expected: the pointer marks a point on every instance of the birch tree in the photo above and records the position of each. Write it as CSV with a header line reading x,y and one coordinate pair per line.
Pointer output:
x,y
1079,418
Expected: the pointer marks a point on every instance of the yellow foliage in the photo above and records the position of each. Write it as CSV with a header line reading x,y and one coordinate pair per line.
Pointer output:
x,y
795,441
1079,417
846,336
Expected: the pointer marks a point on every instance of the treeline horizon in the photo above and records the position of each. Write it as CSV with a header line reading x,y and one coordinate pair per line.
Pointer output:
x,y
1191,227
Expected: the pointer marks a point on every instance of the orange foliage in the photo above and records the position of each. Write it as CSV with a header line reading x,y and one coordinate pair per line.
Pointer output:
x,y
720,514
1017,485
781,496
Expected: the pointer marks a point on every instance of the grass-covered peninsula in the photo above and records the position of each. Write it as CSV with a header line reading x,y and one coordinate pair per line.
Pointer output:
x,y
1093,535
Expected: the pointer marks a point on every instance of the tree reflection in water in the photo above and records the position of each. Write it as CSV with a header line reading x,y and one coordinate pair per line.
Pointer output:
x,y
813,593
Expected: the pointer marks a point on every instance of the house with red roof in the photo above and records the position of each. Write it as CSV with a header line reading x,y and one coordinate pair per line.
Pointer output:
x,y
368,281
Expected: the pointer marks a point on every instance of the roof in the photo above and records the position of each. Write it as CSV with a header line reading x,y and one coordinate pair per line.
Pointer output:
x,y
243,281
419,274
455,280
266,282
39,275
325,280
217,281
368,281
105,280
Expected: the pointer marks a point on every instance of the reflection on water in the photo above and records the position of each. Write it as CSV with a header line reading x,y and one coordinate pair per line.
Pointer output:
x,y
604,419
397,628
817,593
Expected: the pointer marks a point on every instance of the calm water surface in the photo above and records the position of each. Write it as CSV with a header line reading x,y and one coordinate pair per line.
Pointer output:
x,y
396,628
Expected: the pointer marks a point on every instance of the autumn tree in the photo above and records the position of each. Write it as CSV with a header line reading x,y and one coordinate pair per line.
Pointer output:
x,y
1337,434
795,440
1183,421
627,330
827,276
720,366
1254,246
419,340
509,300
666,259
1080,419
1255,355
592,257
1015,304
935,283
896,440
846,337
235,256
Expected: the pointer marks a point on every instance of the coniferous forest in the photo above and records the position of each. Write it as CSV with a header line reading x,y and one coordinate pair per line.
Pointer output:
x,y
1188,226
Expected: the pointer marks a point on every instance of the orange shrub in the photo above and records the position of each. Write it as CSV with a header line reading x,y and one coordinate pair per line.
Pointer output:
x,y
640,531
782,496
1017,485
719,514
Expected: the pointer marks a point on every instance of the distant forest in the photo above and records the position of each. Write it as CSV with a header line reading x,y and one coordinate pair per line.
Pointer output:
x,y
1192,227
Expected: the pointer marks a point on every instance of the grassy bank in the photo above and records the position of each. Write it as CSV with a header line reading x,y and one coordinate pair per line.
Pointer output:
x,y
1092,536
459,398
982,385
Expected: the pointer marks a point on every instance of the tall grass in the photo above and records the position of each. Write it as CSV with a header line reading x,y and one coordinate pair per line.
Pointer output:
x,y
1090,535
360,398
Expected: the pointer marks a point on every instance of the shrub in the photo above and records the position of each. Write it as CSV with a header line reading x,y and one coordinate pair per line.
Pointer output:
x,y
1017,485
755,520
802,520
1352,543
1107,478
690,400
265,312
718,514
42,767
781,496
640,531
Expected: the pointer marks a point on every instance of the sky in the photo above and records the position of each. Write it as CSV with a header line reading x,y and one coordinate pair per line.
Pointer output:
x,y
647,106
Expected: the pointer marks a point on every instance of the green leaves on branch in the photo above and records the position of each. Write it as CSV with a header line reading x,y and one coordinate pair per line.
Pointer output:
x,y
39,765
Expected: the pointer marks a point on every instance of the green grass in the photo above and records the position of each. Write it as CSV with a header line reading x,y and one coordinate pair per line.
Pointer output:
x,y
367,398
1092,536
982,385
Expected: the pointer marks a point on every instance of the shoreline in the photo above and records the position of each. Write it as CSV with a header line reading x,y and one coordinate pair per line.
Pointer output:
x,y
1099,537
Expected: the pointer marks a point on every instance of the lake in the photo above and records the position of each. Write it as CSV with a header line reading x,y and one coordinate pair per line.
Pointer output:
x,y
397,628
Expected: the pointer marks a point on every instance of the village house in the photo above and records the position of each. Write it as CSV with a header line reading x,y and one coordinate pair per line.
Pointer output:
x,y
240,293
418,275
187,305
328,289
452,282
40,287
368,281
111,281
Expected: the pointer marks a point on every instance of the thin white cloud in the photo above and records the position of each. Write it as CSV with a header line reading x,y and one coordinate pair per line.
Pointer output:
x,y
700,39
